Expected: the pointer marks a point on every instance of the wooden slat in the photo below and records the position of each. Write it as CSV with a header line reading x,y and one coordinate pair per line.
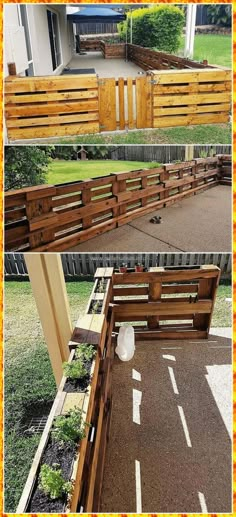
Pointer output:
x,y
107,104
55,107
130,102
143,102
50,83
190,120
177,100
191,109
196,76
53,120
48,97
121,93
44,132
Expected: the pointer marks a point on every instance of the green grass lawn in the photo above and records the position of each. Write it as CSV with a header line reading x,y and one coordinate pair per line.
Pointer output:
x,y
216,48
61,171
29,380
201,134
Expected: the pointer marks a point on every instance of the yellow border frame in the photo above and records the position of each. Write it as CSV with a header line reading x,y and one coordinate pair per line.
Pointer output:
x,y
2,255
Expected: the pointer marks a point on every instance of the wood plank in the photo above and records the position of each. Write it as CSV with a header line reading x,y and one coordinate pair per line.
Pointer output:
x,y
107,104
44,132
143,102
160,309
50,83
121,93
55,107
130,102
185,76
54,120
48,97
177,334
177,100
190,120
191,88
191,109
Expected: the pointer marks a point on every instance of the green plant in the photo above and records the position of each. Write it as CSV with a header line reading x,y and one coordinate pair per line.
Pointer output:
x,y
85,352
219,15
101,285
160,27
74,370
52,482
95,307
26,166
70,427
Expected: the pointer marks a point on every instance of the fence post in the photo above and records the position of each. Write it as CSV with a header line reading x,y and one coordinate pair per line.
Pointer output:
x,y
40,215
154,295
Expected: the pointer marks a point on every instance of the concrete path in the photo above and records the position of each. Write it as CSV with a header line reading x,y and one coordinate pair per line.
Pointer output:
x,y
105,67
170,449
199,223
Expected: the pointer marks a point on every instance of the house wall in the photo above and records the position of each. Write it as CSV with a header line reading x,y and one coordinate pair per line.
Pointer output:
x,y
40,43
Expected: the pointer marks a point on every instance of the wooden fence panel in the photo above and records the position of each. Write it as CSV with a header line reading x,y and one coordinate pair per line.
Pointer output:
x,y
58,217
185,97
40,107
144,102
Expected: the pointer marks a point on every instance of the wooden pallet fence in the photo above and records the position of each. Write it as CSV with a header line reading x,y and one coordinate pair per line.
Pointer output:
x,y
155,60
41,107
96,403
148,300
184,97
58,217
113,50
225,164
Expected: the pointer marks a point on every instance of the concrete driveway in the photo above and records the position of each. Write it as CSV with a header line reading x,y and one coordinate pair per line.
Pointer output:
x,y
170,449
199,223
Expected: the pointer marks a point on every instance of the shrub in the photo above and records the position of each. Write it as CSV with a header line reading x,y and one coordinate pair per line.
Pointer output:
x,y
219,15
74,370
70,427
160,27
52,482
85,352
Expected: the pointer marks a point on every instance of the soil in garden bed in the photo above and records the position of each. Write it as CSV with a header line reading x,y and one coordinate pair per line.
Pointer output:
x,y
79,385
62,455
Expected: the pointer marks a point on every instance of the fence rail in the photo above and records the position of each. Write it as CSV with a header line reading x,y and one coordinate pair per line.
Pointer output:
x,y
79,264
55,218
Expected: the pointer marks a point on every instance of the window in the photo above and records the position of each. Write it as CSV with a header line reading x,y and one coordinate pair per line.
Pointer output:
x,y
23,19
53,28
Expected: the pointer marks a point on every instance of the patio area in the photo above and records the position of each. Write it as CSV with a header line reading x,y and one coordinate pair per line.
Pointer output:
x,y
105,67
173,441
200,222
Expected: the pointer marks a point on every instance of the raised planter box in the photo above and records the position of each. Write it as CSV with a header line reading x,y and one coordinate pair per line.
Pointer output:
x,y
113,50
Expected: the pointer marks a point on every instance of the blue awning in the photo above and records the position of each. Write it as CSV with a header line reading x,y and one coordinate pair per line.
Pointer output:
x,y
96,15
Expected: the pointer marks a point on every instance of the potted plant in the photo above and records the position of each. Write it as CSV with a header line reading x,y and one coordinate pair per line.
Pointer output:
x,y
139,267
123,268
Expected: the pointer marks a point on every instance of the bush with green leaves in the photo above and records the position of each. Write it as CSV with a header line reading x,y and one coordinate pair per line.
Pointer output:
x,y
26,166
157,27
85,352
52,483
74,370
219,15
69,427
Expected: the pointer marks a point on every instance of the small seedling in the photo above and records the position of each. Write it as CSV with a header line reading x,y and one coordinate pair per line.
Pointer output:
x,y
101,286
74,370
85,352
96,307
69,427
52,482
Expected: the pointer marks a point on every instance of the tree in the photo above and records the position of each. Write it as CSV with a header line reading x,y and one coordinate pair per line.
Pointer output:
x,y
220,15
26,166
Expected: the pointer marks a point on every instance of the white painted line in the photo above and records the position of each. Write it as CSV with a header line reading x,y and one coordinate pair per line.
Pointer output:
x,y
201,342
136,375
222,346
173,381
170,357
202,502
171,348
185,427
137,398
138,487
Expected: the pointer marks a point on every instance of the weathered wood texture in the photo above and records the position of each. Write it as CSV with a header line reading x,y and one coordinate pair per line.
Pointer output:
x,y
225,164
40,107
54,218
171,303
184,97
113,50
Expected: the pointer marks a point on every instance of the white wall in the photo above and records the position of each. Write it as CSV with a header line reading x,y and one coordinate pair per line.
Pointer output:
x,y
37,16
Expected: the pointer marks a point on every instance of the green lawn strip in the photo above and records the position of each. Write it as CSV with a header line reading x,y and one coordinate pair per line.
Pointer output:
x,y
62,171
29,379
201,134
222,312
216,48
